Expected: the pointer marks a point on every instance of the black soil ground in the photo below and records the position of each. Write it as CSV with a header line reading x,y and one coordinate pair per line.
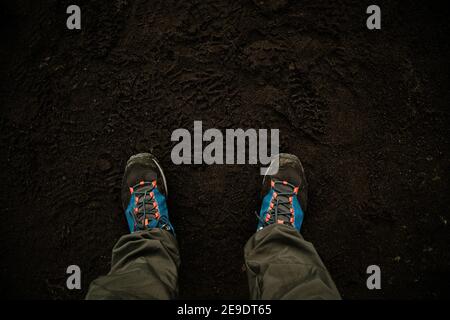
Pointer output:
x,y
366,111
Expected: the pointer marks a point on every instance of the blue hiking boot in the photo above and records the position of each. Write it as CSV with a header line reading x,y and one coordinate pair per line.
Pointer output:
x,y
144,193
285,193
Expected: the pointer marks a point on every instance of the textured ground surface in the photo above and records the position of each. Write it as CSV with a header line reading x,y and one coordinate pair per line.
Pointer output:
x,y
367,112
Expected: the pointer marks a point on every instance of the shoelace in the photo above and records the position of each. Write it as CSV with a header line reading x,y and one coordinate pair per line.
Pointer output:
x,y
281,209
146,206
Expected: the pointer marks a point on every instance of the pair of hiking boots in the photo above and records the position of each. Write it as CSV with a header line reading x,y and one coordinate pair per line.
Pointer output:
x,y
144,194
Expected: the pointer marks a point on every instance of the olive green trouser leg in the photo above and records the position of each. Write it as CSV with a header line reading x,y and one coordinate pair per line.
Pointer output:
x,y
282,265
144,266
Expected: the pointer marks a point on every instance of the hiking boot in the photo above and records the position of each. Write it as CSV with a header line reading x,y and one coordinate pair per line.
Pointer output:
x,y
144,193
285,193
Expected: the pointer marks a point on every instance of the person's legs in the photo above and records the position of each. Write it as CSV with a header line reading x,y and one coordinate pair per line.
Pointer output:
x,y
144,263
280,263
144,266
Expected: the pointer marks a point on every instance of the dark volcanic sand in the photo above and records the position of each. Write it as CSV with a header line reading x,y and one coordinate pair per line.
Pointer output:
x,y
366,111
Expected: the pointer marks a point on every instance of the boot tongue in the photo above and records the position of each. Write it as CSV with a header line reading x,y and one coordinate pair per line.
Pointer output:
x,y
284,192
145,203
284,188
